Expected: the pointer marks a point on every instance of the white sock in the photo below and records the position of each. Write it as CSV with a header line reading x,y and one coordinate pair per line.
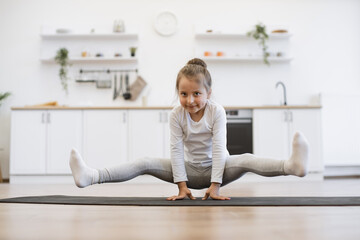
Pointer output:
x,y
83,175
297,164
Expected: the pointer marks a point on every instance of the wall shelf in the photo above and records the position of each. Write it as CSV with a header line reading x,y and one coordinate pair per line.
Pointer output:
x,y
132,36
238,36
245,59
83,46
95,60
234,45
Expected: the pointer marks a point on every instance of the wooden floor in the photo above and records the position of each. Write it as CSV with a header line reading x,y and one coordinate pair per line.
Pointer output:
x,y
48,222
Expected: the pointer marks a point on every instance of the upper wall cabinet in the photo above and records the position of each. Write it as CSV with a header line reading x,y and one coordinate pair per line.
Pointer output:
x,y
224,44
88,45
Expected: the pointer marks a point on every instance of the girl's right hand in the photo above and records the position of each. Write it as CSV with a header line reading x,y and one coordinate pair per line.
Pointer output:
x,y
183,193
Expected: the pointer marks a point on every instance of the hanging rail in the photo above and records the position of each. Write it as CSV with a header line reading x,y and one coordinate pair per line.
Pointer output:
x,y
108,70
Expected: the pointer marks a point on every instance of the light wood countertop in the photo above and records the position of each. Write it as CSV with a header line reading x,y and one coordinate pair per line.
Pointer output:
x,y
157,107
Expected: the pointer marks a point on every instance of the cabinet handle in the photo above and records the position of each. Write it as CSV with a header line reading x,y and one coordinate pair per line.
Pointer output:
x,y
291,116
285,116
160,116
48,118
166,117
43,118
124,117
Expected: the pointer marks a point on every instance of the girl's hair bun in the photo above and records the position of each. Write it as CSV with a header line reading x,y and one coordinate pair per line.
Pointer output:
x,y
195,69
197,61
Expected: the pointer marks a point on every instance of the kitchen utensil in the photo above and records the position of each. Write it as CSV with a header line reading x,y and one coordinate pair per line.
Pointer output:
x,y
83,78
115,88
103,83
104,80
120,91
127,94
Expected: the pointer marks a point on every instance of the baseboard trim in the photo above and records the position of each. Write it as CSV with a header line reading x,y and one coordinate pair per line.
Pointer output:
x,y
342,171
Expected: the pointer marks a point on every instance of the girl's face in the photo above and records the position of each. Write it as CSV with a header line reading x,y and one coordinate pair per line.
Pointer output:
x,y
193,96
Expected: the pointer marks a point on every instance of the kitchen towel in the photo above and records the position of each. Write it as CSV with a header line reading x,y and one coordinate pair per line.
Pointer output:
x,y
161,201
137,87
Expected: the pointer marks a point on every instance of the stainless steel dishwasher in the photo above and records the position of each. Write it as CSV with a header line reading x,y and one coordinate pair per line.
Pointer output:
x,y
239,131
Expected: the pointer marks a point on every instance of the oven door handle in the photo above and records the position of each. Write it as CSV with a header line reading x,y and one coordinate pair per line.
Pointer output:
x,y
239,120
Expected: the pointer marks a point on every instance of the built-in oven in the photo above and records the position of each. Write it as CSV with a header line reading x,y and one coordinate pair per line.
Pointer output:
x,y
239,131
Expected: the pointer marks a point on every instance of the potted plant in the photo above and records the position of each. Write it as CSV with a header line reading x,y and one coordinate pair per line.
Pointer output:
x,y
259,33
62,58
132,51
3,96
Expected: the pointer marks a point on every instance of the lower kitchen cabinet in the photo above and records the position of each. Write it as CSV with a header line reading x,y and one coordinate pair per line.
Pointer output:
x,y
105,137
41,140
64,132
148,134
28,142
273,130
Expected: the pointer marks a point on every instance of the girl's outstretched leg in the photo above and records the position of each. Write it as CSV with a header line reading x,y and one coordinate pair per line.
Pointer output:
x,y
159,168
238,165
83,175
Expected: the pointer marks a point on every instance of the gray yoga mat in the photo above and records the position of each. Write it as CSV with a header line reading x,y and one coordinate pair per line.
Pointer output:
x,y
161,201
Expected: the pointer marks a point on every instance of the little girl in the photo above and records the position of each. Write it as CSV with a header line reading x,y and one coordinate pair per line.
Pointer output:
x,y
199,158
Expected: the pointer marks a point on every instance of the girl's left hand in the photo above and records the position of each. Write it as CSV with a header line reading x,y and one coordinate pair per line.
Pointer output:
x,y
213,192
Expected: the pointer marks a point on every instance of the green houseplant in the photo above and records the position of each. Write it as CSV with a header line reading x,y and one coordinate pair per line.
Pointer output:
x,y
3,96
259,33
133,51
62,58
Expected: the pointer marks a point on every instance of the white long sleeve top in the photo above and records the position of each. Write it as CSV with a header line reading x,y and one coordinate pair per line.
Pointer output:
x,y
201,143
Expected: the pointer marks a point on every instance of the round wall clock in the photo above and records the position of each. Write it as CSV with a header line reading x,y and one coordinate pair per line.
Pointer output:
x,y
166,23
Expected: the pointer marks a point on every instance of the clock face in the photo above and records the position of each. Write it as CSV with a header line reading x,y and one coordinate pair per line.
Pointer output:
x,y
166,23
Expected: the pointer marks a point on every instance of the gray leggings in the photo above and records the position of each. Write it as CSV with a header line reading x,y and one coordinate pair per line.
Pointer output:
x,y
199,177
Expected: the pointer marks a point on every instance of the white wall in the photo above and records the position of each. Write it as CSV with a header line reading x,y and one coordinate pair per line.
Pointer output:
x,y
325,47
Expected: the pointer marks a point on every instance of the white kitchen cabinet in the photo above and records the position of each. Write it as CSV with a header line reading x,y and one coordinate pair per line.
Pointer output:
x,y
28,142
148,134
273,131
105,137
41,141
64,132
166,118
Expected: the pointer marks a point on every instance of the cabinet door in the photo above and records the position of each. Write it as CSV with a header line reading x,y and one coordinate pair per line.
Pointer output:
x,y
64,132
105,137
308,121
166,116
270,133
146,134
28,146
